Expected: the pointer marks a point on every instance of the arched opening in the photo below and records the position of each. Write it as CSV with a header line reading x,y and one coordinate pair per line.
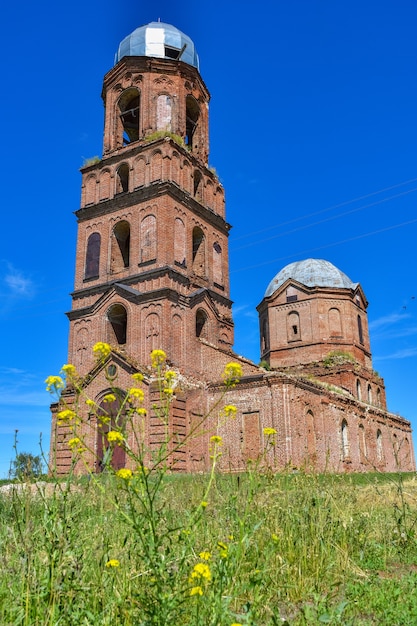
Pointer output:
x,y
198,185
378,397
148,241
201,324
199,252
345,440
311,436
122,179
120,252
179,242
293,326
335,323
110,455
362,443
369,394
163,112
117,324
358,389
192,115
129,106
360,329
264,336
92,259
217,264
379,449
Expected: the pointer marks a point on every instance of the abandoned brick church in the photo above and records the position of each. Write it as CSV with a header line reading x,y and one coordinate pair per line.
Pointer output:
x,y
152,273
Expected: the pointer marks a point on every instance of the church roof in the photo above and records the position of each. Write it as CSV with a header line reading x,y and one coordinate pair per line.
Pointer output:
x,y
159,40
311,273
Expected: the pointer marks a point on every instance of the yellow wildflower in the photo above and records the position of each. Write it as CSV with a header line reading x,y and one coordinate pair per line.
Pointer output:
x,y
54,383
136,394
90,402
124,473
203,504
74,442
274,537
110,397
141,411
269,431
114,437
113,563
138,377
236,624
196,591
223,549
230,410
170,375
69,370
65,416
201,570
205,556
101,350
168,391
232,374
158,357
216,439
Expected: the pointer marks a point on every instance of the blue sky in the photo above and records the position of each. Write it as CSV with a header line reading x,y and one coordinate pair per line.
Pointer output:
x,y
313,133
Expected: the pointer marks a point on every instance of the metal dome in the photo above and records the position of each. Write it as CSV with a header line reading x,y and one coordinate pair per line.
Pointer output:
x,y
311,273
159,40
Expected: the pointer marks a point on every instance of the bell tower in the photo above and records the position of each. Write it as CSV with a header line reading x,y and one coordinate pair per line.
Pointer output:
x,y
152,244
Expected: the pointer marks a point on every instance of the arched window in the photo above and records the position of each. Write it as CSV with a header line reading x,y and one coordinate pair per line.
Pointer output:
x,y
378,397
335,323
360,329
311,435
114,457
198,185
264,336
192,115
362,442
201,324
129,106
369,394
120,247
122,179
163,112
293,326
105,184
156,165
217,264
345,440
92,259
379,449
117,324
358,389
148,242
179,242
199,252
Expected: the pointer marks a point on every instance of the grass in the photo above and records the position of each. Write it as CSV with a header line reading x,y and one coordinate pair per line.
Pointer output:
x,y
141,546
285,548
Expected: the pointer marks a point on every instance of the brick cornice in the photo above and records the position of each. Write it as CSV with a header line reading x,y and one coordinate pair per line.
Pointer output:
x,y
150,192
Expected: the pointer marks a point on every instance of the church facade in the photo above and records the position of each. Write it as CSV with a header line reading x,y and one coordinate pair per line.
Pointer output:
x,y
152,273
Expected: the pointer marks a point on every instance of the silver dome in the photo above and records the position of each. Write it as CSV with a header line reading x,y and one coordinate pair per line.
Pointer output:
x,y
311,273
159,40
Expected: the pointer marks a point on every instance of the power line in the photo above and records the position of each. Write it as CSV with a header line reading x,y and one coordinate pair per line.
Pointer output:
x,y
334,206
329,245
327,219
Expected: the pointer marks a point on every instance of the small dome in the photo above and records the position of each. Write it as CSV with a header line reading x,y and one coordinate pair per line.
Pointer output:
x,y
159,40
311,273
